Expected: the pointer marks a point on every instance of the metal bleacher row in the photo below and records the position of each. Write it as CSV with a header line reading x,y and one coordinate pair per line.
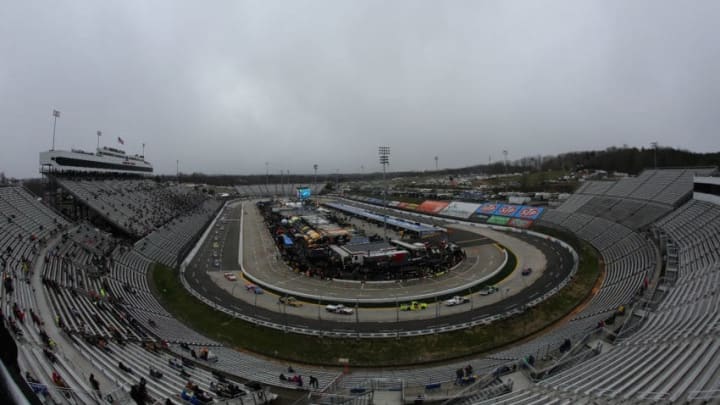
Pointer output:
x,y
167,241
671,350
136,206
26,226
634,201
269,190
94,289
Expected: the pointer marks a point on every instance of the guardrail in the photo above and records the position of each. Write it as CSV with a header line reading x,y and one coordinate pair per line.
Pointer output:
x,y
486,320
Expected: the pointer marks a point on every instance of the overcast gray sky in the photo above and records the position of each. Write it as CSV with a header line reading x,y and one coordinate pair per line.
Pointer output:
x,y
225,86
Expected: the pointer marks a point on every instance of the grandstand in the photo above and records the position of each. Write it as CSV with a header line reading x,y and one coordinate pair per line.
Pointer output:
x,y
136,207
90,292
635,201
671,350
89,298
275,190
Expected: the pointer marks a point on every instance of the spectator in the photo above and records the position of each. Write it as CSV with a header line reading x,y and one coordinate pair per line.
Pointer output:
x,y
94,383
124,368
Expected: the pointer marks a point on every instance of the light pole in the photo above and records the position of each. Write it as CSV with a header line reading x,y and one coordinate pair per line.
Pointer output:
x,y
397,310
143,150
436,162
282,186
56,115
177,170
655,147
99,134
384,155
315,166
505,153
267,176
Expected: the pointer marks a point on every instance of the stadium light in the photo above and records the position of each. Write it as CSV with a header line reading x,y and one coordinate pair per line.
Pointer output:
x,y
56,115
315,167
655,147
384,155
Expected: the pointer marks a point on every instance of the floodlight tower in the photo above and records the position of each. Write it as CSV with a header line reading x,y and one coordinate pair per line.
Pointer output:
x,y
267,176
315,166
384,155
56,115
655,147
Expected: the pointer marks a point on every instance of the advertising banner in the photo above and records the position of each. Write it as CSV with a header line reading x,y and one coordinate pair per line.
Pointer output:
x,y
432,207
460,209
520,223
526,212
498,220
487,208
507,210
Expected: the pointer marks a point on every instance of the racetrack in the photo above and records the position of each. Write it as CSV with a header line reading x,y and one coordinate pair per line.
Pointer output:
x,y
209,281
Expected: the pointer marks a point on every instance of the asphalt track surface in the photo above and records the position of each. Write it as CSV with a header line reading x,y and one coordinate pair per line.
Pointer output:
x,y
559,265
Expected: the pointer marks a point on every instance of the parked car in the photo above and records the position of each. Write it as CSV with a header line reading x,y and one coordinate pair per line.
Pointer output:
x,y
488,289
456,300
339,309
291,301
413,306
252,287
230,276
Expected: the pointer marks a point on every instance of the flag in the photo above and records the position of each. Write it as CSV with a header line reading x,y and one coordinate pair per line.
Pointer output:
x,y
56,113
121,141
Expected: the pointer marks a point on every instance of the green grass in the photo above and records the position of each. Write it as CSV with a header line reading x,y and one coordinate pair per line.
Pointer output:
x,y
370,352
